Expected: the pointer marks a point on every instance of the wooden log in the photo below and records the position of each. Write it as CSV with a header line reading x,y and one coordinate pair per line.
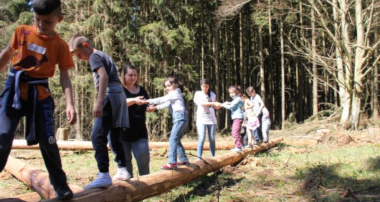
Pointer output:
x,y
163,181
62,134
87,145
29,197
34,177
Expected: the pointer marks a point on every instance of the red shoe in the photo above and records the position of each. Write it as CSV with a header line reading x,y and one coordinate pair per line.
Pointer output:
x,y
169,166
186,163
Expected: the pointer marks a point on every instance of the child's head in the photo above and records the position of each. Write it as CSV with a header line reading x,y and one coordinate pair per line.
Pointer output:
x,y
171,83
80,47
129,75
244,98
234,91
251,91
47,13
205,85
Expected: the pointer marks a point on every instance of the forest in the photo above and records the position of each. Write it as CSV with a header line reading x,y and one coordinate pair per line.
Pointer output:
x,y
309,58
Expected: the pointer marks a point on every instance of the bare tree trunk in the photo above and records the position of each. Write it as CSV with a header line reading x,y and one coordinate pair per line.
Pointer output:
x,y
314,65
375,84
262,67
270,65
283,105
241,49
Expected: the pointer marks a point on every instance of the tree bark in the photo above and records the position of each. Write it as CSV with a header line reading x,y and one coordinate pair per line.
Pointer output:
x,y
33,177
87,145
283,105
314,64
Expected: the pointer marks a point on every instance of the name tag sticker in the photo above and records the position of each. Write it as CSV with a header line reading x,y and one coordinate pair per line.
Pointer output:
x,y
37,48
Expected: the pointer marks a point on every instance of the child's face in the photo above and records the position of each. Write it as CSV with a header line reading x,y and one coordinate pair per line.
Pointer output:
x,y
169,86
82,53
232,93
46,23
252,93
130,77
205,88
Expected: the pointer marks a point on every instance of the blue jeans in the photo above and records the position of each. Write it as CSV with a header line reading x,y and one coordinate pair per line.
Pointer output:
x,y
201,128
175,145
140,149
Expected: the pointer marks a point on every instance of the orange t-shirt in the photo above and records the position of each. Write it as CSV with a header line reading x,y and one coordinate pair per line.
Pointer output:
x,y
37,55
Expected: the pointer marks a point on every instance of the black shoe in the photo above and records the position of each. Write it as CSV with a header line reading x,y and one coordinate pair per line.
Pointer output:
x,y
63,192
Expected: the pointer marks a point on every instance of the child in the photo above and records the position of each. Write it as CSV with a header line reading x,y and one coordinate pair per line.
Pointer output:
x,y
26,93
236,115
110,110
206,120
253,122
175,101
265,125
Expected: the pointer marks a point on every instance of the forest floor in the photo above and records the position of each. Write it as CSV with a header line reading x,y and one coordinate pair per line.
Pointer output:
x,y
317,161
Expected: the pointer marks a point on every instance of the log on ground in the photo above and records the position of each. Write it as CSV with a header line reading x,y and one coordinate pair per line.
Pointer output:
x,y
163,181
33,177
87,145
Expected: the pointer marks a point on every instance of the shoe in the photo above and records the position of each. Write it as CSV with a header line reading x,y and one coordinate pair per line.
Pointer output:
x,y
169,166
122,174
266,141
236,149
186,163
102,180
63,192
257,143
249,146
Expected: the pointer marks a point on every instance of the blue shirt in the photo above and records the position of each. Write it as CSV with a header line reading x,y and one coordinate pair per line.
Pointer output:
x,y
236,108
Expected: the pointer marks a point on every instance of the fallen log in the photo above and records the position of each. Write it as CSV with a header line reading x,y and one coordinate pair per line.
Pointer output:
x,y
87,145
29,197
163,181
33,177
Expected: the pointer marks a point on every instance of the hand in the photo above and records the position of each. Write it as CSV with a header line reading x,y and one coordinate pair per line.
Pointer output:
x,y
218,105
141,101
71,114
151,108
98,110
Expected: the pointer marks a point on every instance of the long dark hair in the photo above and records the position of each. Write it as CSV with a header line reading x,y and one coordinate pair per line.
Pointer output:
x,y
207,82
124,71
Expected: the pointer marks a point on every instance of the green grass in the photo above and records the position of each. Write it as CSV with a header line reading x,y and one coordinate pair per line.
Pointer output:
x,y
284,173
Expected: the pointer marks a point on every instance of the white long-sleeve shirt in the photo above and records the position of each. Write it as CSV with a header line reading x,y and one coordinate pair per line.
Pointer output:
x,y
173,98
205,114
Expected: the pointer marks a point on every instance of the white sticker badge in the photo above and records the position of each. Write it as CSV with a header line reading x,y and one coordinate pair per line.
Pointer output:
x,y
37,48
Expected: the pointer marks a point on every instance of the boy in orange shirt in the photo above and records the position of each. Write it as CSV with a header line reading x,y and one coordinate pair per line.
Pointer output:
x,y
39,48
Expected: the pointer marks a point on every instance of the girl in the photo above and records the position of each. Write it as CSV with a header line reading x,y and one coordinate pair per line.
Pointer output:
x,y
253,122
206,120
236,115
258,105
175,101
136,136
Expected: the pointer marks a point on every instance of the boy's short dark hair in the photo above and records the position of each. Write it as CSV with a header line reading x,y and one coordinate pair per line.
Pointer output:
x,y
46,7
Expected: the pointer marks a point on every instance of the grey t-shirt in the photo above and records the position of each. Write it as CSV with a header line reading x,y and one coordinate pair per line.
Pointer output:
x,y
100,59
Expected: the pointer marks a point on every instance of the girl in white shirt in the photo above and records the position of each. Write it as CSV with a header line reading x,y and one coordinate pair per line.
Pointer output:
x,y
176,104
205,100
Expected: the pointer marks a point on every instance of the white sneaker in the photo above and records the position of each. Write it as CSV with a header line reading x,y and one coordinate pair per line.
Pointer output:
x,y
122,174
102,180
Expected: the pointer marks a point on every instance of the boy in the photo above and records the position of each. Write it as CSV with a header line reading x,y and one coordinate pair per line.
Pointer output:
x,y
26,93
110,110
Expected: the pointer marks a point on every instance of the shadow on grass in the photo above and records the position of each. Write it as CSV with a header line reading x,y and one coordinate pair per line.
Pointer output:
x,y
208,185
322,183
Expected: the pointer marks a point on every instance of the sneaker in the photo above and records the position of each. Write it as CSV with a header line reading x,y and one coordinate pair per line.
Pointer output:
x,y
102,180
169,166
236,149
249,146
186,163
63,192
122,174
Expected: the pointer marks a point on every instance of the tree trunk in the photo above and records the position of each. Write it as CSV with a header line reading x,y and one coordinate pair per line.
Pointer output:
x,y
283,105
314,65
87,145
375,84
241,50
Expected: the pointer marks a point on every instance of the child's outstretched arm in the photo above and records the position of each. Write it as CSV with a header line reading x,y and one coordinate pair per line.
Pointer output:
x,y
5,56
67,90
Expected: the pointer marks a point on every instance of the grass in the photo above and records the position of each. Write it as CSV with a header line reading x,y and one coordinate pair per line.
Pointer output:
x,y
321,172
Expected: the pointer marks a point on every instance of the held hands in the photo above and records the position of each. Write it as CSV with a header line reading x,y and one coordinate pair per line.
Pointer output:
x,y
151,108
218,105
141,101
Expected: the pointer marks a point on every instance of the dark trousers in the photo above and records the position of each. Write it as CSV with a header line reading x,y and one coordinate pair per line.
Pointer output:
x,y
45,135
103,127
